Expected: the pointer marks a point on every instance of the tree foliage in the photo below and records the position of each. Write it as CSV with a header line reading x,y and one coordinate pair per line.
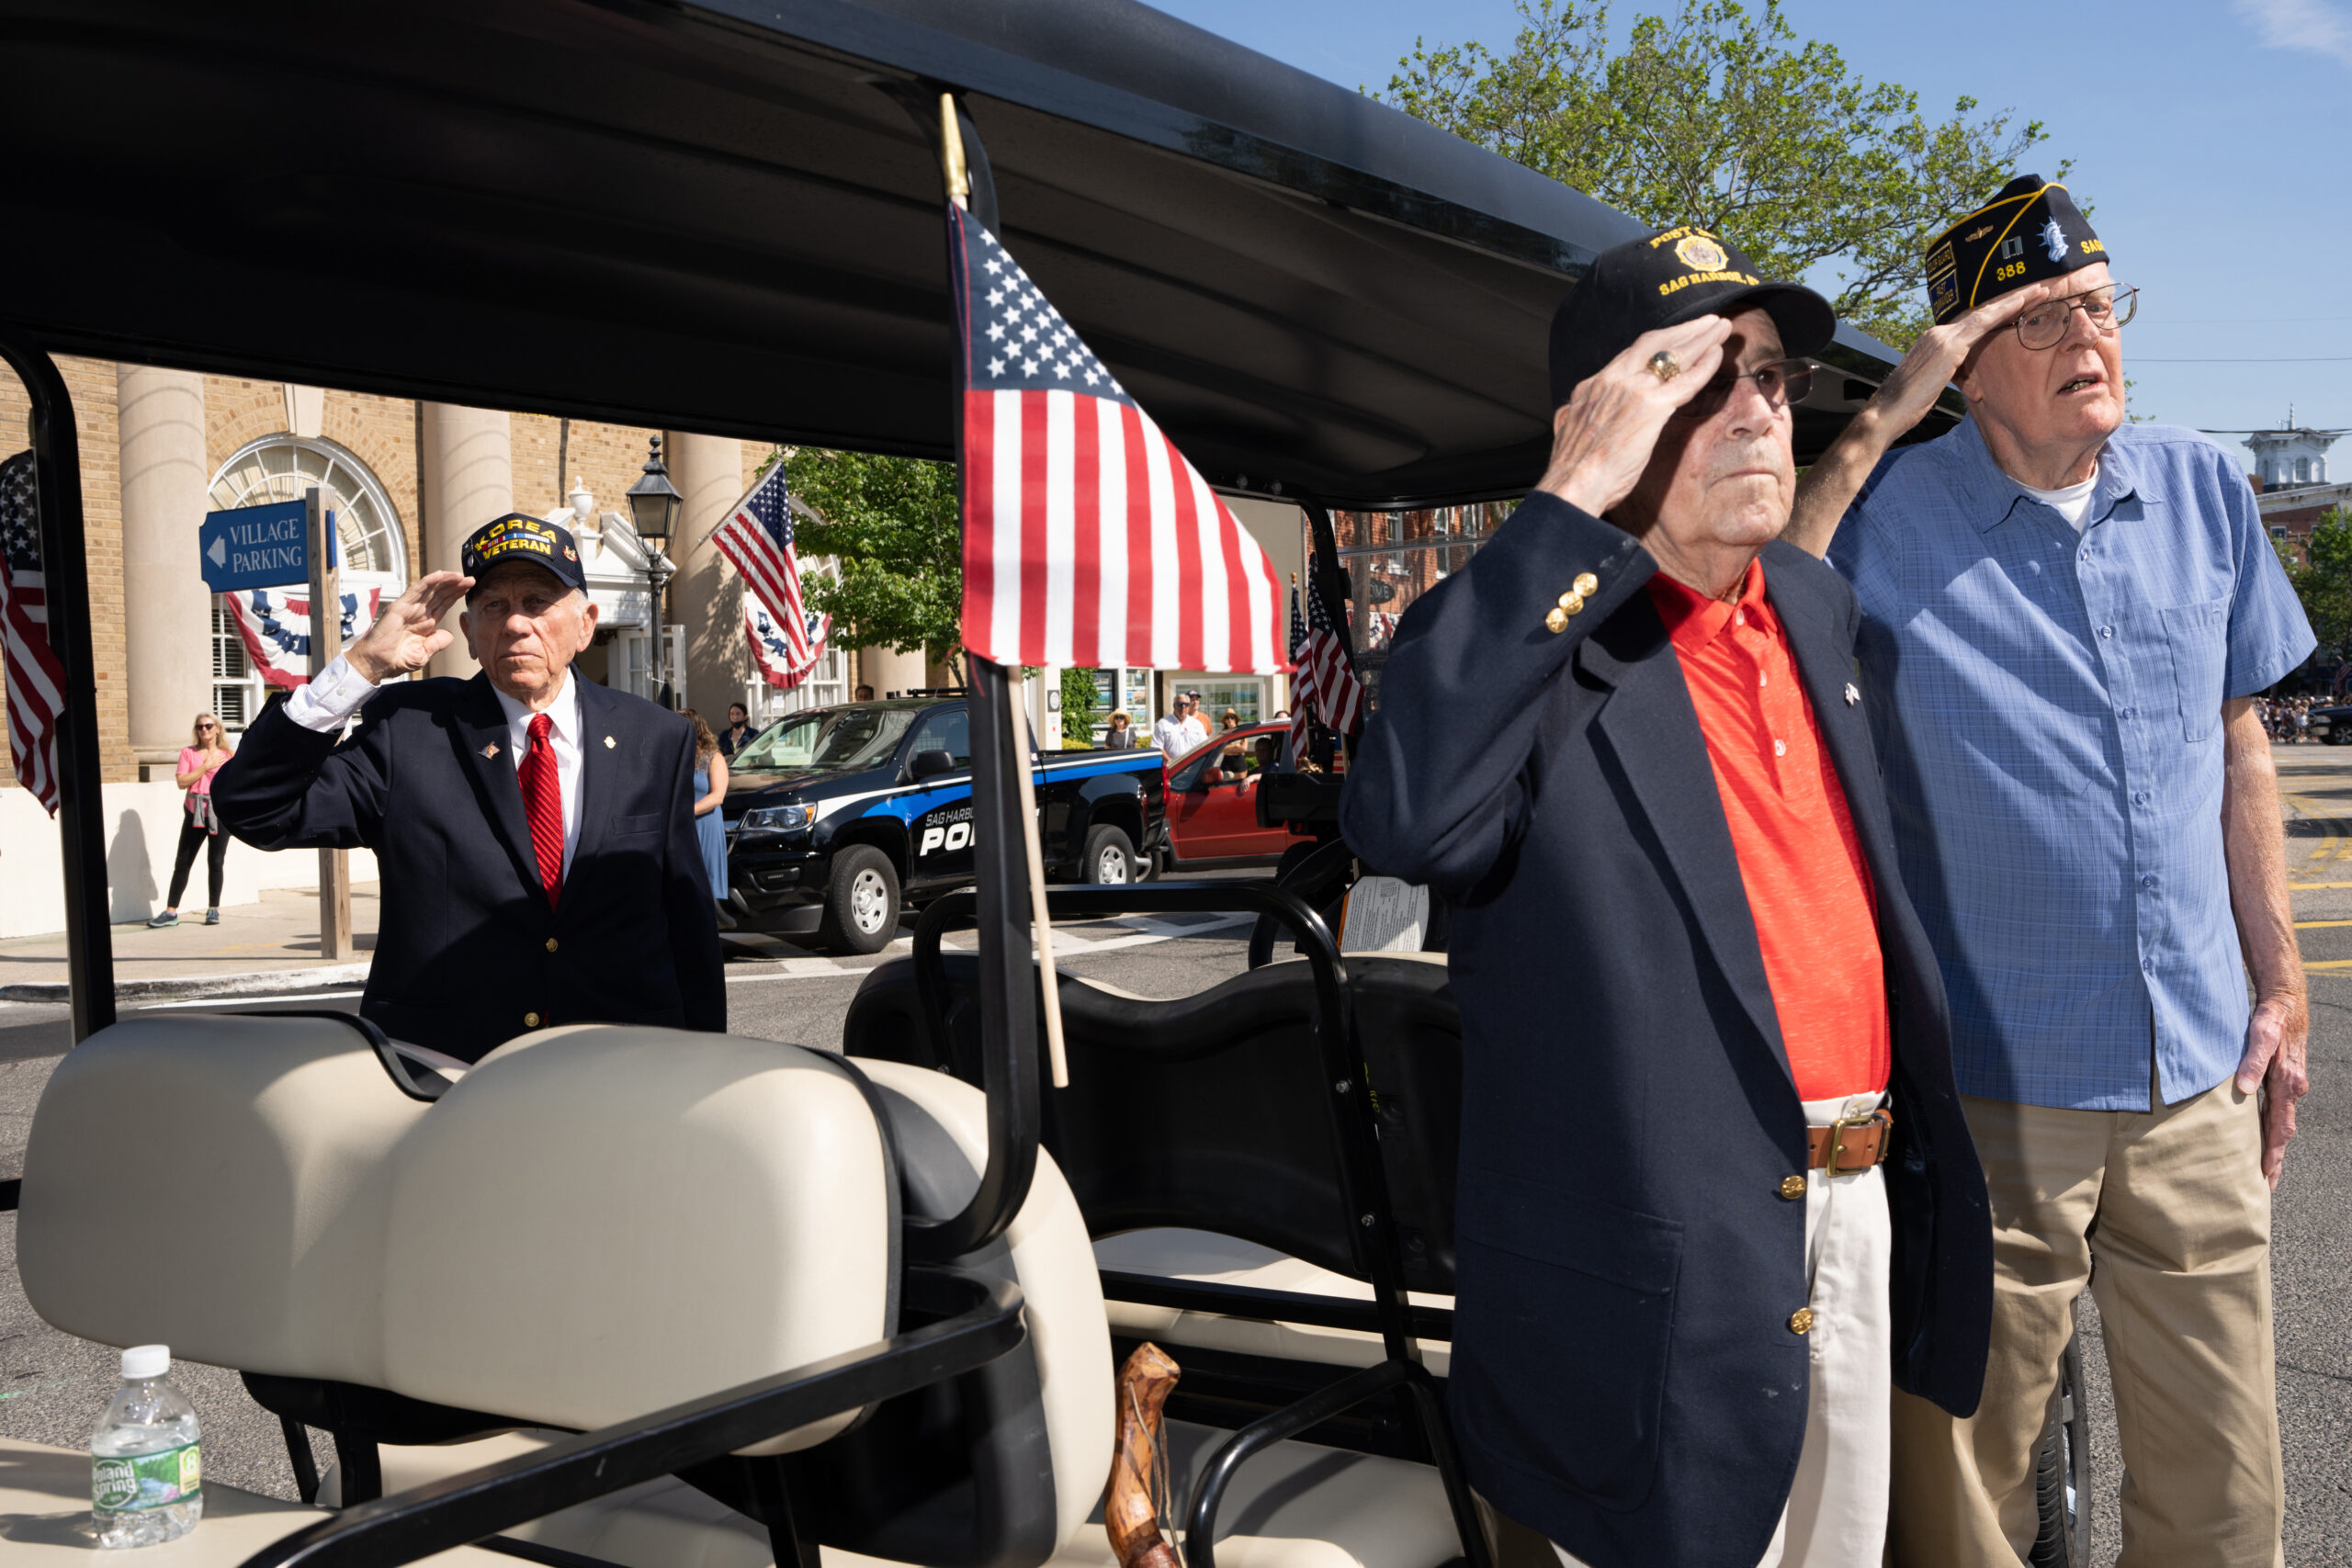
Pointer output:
x,y
890,526
1720,117
2324,583
1079,698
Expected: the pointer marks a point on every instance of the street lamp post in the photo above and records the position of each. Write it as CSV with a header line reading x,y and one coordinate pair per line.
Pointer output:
x,y
653,504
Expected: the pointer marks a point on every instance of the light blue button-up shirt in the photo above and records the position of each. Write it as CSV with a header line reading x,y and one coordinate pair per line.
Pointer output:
x,y
2048,711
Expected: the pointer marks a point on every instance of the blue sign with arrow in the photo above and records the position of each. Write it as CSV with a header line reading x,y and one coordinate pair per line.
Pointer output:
x,y
257,546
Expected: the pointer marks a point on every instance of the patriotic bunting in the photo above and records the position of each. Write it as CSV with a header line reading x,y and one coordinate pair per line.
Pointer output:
x,y
274,625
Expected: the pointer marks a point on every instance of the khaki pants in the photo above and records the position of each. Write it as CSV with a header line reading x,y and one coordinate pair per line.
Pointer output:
x,y
2171,1207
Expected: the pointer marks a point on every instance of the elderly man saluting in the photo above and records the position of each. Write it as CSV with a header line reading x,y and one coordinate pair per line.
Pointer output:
x,y
2066,620
1716,1188
533,830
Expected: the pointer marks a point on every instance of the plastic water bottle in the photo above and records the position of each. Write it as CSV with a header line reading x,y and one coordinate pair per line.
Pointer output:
x,y
146,1478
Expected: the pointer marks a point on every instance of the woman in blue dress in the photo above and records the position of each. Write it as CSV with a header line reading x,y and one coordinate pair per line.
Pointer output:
x,y
710,790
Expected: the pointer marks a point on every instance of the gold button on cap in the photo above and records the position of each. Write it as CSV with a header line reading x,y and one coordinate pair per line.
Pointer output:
x,y
550,944
1800,1321
1556,620
531,1021
1792,1187
1586,582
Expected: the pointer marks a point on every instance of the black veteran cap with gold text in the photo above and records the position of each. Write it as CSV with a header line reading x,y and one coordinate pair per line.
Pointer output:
x,y
1674,276
2031,231
519,537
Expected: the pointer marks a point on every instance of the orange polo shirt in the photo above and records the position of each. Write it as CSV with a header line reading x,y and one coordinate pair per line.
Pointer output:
x,y
1808,886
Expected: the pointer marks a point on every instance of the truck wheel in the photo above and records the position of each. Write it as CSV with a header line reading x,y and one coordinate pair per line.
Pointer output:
x,y
861,904
1110,857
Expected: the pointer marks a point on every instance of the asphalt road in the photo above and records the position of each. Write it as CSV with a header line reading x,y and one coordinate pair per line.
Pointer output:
x,y
52,1386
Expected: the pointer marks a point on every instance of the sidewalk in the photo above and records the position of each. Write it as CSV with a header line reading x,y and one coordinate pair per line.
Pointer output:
x,y
257,950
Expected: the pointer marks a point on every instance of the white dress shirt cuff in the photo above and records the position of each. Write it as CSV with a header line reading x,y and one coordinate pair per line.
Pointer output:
x,y
334,694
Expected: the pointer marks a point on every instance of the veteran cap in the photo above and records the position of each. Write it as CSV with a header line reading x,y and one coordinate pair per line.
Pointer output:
x,y
519,537
2031,231
1670,277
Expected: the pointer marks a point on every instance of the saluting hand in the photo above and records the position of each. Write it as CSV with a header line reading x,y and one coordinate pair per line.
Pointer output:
x,y
409,633
1601,437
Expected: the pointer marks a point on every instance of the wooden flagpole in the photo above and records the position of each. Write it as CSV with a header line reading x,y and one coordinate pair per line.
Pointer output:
x,y
326,642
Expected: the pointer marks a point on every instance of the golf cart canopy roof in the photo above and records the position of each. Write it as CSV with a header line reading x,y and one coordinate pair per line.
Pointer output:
x,y
725,217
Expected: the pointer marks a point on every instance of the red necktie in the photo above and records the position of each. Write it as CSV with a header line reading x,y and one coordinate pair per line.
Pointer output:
x,y
543,803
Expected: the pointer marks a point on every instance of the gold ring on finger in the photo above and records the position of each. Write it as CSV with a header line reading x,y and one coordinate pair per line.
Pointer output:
x,y
1664,366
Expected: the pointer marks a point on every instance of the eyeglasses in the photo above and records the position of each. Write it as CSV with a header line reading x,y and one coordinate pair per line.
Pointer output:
x,y
2103,308
1779,382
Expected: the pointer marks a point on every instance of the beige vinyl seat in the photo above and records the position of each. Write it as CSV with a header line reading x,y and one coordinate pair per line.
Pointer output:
x,y
597,1222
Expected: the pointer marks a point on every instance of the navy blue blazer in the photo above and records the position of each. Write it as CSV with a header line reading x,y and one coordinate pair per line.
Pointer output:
x,y
468,948
1624,1378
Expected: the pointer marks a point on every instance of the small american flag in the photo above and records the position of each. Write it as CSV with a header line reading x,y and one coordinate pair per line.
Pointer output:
x,y
756,539
1088,538
1325,686
35,680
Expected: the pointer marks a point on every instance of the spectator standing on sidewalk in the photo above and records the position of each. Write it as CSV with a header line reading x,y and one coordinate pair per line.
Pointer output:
x,y
2079,612
199,760
739,731
710,793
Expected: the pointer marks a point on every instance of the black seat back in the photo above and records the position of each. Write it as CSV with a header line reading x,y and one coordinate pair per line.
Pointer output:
x,y
1214,1112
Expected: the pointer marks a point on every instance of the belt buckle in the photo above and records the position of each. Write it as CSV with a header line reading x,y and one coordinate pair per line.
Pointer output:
x,y
1873,1118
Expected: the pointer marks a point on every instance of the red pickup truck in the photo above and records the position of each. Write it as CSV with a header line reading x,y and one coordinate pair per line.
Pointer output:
x,y
1213,804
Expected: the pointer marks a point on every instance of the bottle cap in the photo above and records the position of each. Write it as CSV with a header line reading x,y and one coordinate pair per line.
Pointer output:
x,y
142,1361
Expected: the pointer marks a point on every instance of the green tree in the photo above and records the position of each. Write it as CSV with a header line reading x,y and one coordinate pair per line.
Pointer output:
x,y
2324,583
1720,117
890,526
1079,706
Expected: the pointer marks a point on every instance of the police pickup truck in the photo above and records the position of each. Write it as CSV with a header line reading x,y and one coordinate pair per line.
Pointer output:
x,y
836,816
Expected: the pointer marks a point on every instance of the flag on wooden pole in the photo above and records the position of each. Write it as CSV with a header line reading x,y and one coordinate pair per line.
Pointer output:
x,y
1325,686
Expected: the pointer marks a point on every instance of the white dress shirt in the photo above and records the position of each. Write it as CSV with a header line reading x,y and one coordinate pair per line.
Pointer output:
x,y
337,692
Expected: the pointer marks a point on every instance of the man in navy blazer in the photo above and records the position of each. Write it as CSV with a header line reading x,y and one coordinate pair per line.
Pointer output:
x,y
533,830
1715,1191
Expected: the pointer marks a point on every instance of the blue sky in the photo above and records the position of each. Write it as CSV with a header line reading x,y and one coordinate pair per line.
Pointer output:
x,y
2210,136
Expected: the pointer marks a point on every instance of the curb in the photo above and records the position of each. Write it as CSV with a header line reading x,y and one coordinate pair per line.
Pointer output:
x,y
254,983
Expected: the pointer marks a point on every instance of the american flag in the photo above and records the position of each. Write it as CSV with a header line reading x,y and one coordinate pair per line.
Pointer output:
x,y
35,680
1088,538
756,539
1325,686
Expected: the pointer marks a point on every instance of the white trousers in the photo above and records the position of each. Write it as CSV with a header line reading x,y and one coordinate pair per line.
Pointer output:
x,y
1836,1515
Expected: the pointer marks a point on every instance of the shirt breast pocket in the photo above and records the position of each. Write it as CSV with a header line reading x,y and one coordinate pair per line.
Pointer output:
x,y
2197,637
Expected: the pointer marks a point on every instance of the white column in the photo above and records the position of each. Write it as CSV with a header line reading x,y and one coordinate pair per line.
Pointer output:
x,y
465,476
167,610
706,597
887,671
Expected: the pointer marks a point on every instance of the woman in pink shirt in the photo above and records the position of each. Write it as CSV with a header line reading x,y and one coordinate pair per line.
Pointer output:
x,y
199,760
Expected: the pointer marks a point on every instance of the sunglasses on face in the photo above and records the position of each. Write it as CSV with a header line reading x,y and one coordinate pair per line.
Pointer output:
x,y
1779,382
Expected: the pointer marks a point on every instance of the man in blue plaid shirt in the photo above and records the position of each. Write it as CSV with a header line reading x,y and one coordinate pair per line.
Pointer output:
x,y
2066,620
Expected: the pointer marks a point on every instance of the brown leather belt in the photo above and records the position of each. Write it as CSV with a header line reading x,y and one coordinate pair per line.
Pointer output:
x,y
1851,1142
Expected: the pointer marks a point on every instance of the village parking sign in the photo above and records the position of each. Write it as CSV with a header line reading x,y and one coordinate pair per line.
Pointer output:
x,y
256,547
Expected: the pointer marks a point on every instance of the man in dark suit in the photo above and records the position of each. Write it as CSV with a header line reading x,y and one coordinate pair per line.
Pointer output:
x,y
533,831
1716,1187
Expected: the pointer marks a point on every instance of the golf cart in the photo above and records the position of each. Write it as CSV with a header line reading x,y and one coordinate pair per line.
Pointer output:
x,y
620,1295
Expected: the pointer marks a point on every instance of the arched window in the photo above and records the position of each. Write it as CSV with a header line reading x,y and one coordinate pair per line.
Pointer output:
x,y
371,546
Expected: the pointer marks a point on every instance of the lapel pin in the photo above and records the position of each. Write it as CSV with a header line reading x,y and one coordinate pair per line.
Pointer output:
x,y
1852,696
490,749
610,743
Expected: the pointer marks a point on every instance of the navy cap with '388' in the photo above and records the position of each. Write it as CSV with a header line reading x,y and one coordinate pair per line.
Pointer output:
x,y
519,537
1674,276
2030,231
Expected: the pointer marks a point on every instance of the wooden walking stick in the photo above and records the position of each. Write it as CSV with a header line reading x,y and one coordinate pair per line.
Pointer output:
x,y
1131,1512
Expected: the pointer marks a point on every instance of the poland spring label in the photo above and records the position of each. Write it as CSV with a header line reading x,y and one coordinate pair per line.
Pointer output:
x,y
136,1483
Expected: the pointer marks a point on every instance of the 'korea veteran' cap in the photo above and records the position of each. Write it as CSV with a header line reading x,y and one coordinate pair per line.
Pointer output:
x,y
2031,231
1671,277
519,537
